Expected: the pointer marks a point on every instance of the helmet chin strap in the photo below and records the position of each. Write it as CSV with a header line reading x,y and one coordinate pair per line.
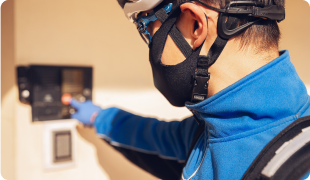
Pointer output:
x,y
227,28
202,76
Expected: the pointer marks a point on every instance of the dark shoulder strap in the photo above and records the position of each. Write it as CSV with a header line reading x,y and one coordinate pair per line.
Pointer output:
x,y
287,169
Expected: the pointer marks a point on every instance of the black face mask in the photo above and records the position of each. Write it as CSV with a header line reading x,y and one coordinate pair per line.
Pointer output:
x,y
188,80
175,82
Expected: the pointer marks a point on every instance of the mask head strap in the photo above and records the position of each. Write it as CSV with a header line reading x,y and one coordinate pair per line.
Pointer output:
x,y
175,34
168,27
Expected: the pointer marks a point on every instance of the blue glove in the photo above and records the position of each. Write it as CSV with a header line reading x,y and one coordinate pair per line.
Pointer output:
x,y
86,112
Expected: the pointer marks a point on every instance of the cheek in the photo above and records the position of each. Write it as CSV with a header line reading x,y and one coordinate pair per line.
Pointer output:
x,y
153,27
171,54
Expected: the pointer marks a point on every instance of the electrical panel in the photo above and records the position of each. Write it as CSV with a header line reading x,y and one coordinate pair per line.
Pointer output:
x,y
45,88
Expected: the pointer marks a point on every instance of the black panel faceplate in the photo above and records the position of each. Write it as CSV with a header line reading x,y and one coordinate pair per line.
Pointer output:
x,y
43,86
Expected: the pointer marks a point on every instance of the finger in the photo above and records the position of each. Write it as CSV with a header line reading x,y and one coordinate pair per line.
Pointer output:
x,y
74,103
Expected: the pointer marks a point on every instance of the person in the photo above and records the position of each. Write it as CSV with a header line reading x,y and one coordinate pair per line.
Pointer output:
x,y
220,59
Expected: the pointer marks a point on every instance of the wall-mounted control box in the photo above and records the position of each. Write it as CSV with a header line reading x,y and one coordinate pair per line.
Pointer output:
x,y
44,87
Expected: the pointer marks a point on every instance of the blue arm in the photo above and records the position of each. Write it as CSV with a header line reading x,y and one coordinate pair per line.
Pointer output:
x,y
168,140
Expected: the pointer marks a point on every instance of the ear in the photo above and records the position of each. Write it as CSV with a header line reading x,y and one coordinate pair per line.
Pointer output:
x,y
193,24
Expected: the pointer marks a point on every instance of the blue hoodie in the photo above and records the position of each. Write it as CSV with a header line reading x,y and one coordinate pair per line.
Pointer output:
x,y
238,122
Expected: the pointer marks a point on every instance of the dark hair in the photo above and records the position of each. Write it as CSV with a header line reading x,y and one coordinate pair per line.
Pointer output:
x,y
265,34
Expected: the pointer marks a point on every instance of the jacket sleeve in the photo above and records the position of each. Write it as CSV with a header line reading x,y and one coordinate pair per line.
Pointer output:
x,y
158,147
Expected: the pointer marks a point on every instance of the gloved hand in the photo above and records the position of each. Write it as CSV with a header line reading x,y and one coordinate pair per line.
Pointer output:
x,y
86,111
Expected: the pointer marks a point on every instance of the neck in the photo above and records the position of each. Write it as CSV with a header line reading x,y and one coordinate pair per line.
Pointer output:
x,y
235,63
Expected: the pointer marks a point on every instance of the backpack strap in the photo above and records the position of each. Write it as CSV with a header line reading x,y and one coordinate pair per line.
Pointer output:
x,y
286,156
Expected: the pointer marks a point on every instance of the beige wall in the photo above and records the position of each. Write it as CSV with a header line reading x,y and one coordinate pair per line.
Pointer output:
x,y
84,32
8,91
73,33
296,36
96,33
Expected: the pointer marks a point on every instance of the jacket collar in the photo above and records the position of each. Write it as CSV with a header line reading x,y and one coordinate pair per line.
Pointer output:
x,y
267,95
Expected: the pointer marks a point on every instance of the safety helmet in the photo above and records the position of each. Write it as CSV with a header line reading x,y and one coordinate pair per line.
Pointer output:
x,y
133,7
